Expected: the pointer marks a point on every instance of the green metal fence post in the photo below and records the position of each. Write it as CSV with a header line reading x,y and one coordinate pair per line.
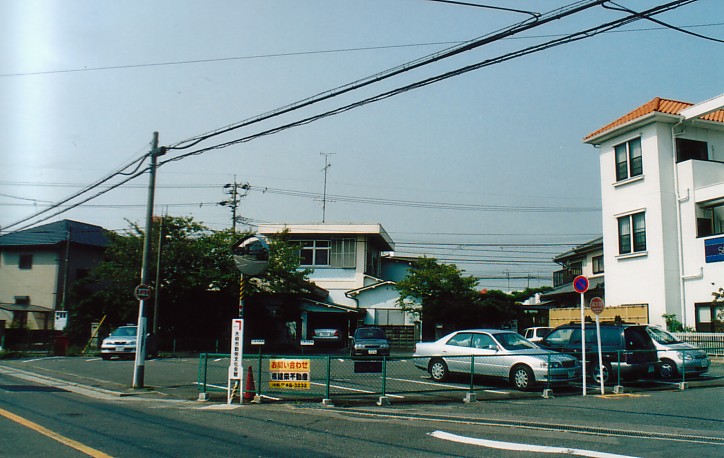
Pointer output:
x,y
472,373
258,383
384,375
548,377
683,367
329,376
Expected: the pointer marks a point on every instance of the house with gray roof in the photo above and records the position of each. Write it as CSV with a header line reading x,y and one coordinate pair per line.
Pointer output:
x,y
38,265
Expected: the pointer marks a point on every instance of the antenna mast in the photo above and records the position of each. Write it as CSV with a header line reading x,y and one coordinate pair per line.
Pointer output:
x,y
327,165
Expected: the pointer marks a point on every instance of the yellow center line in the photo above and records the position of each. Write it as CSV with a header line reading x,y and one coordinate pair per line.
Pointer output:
x,y
53,435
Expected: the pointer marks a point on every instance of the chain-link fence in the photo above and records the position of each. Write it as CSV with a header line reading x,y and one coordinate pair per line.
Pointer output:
x,y
342,378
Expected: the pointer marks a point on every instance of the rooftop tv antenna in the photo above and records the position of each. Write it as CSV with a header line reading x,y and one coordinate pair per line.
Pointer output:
x,y
327,165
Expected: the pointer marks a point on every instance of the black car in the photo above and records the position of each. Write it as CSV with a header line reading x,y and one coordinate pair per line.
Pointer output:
x,y
627,348
370,341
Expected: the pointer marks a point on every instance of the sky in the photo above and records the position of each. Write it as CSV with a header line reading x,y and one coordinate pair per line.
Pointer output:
x,y
486,169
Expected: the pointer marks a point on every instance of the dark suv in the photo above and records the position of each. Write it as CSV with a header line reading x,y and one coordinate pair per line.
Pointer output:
x,y
624,347
370,341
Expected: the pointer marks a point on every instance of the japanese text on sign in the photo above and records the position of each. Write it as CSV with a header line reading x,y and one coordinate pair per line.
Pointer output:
x,y
290,373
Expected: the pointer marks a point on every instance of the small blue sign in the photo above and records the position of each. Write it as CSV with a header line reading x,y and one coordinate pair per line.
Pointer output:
x,y
714,250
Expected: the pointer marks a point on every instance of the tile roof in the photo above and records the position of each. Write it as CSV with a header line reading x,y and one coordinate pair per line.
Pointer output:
x,y
57,232
657,105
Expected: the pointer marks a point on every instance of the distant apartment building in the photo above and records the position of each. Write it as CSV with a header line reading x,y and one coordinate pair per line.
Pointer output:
x,y
662,192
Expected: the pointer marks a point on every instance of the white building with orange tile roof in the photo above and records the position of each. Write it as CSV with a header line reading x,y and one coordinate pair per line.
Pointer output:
x,y
662,192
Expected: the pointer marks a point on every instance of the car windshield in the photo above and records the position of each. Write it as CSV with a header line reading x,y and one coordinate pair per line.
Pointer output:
x,y
513,341
126,331
661,336
370,333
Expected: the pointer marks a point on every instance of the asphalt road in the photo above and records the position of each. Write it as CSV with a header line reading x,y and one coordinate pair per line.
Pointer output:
x,y
78,399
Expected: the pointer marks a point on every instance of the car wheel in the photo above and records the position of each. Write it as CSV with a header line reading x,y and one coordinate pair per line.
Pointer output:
x,y
522,378
667,369
438,370
596,375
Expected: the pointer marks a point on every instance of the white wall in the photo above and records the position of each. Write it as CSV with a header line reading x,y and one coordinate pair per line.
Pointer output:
x,y
655,276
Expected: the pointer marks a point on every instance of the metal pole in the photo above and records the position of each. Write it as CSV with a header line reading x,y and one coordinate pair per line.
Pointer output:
x,y
139,366
583,341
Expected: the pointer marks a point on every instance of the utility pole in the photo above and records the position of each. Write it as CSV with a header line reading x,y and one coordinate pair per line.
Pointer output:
x,y
327,165
139,366
232,189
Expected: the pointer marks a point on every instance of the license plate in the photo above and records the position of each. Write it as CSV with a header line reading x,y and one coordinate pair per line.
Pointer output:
x,y
373,352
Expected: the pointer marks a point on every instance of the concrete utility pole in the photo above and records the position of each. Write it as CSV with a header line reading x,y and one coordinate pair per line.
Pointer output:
x,y
139,366
233,191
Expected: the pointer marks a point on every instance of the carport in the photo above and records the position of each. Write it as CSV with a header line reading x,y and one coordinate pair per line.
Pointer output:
x,y
316,314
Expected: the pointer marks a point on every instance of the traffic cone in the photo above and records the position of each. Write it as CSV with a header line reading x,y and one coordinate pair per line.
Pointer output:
x,y
249,389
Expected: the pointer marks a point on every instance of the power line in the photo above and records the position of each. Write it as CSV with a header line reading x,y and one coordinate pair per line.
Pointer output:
x,y
503,58
557,14
570,9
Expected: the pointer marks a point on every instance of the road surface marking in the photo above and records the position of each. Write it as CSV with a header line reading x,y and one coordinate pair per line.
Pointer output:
x,y
523,447
53,435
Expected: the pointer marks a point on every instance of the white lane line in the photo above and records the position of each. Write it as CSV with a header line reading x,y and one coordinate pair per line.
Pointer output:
x,y
356,390
522,447
419,382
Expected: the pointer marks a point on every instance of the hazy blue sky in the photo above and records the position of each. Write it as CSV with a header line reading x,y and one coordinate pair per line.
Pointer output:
x,y
84,84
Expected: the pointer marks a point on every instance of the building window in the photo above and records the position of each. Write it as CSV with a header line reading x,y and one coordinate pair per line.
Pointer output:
x,y
25,262
710,219
314,253
328,253
709,317
628,159
691,149
597,262
343,253
632,233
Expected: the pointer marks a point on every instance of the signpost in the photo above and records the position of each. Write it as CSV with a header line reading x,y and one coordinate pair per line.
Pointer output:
x,y
597,306
251,256
580,284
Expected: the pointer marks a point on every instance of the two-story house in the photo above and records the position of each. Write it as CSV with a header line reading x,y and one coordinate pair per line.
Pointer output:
x,y
585,259
353,263
662,193
37,266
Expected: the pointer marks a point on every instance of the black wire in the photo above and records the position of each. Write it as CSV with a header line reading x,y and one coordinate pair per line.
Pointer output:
x,y
530,50
88,188
656,21
477,5
567,10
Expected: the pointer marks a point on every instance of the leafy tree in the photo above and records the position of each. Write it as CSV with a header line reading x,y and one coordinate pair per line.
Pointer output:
x,y
441,294
198,285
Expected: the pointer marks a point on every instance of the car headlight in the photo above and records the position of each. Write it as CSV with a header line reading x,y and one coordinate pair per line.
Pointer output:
x,y
359,346
385,346
554,364
687,355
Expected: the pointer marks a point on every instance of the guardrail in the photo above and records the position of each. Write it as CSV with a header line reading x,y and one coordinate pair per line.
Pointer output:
x,y
327,377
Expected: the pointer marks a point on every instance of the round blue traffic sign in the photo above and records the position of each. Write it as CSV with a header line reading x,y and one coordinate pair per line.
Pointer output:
x,y
580,284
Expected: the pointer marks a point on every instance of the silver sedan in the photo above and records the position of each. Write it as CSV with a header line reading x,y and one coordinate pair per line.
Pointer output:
x,y
495,353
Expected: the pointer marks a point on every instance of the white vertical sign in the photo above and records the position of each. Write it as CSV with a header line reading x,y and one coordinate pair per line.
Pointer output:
x,y
236,368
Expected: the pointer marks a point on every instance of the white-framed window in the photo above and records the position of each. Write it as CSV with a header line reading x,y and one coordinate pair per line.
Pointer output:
x,y
710,219
632,233
629,163
327,253
314,253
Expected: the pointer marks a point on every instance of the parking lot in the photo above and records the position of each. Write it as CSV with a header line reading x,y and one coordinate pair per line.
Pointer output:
x,y
333,378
